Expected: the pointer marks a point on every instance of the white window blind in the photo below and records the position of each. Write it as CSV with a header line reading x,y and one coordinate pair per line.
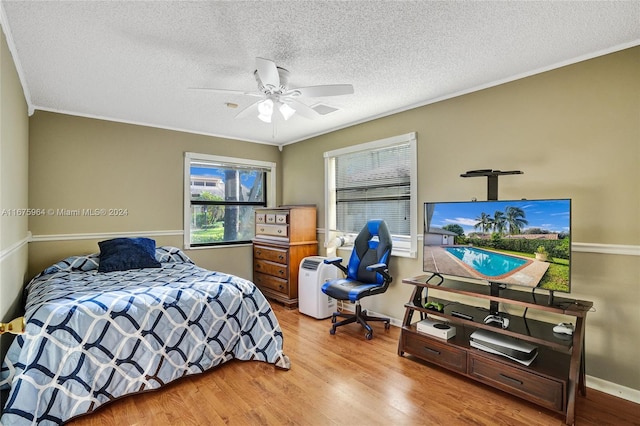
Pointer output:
x,y
375,180
372,185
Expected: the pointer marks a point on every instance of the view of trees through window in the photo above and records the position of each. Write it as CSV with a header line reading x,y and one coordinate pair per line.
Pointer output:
x,y
223,199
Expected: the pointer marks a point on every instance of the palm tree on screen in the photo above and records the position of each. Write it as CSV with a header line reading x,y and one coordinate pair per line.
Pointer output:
x,y
515,218
485,222
499,222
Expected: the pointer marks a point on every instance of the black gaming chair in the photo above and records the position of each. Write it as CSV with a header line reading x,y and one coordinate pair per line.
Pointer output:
x,y
366,274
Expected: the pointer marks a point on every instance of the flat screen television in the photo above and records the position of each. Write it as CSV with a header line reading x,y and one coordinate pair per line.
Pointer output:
x,y
524,243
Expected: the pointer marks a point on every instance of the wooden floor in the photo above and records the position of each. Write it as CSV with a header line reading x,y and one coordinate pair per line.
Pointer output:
x,y
342,379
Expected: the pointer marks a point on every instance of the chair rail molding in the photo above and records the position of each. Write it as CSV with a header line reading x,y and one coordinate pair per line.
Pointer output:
x,y
93,236
4,253
619,249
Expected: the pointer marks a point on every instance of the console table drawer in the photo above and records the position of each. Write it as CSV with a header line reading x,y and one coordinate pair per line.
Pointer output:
x,y
433,351
272,254
527,385
271,282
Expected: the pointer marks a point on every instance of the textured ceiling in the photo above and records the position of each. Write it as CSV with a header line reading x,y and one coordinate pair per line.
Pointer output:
x,y
135,61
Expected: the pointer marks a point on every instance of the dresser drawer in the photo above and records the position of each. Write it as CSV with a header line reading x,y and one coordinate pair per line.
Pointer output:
x,y
272,218
272,254
433,351
279,270
270,282
272,230
525,384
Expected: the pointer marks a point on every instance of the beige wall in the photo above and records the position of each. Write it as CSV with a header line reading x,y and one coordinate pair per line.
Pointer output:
x,y
81,163
574,132
14,143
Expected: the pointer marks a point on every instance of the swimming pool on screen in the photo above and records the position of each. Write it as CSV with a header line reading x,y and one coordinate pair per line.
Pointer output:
x,y
487,263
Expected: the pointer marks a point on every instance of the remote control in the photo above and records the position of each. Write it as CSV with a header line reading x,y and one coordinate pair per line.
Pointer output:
x,y
461,315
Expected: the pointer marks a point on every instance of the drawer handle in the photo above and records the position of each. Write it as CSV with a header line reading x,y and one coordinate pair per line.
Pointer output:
x,y
258,252
433,351
511,379
280,257
281,271
279,231
258,266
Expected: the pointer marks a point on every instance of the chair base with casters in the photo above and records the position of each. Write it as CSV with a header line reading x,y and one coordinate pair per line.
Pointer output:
x,y
360,317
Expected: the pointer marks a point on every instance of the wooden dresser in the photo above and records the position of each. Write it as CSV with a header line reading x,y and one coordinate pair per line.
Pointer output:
x,y
284,236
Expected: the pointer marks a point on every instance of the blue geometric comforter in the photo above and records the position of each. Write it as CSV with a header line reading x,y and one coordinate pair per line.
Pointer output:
x,y
92,337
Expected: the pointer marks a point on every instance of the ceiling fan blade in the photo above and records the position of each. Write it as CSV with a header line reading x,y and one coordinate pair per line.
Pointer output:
x,y
227,92
302,109
326,90
248,111
268,72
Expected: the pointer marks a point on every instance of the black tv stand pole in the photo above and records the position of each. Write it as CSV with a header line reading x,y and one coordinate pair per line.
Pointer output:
x,y
492,179
492,195
494,306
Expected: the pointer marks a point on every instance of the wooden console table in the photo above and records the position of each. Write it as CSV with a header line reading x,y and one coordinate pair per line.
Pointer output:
x,y
551,381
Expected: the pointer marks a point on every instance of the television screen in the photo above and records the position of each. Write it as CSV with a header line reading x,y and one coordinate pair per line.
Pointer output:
x,y
520,242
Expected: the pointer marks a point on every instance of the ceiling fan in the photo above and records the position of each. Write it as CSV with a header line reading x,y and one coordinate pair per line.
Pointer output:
x,y
277,96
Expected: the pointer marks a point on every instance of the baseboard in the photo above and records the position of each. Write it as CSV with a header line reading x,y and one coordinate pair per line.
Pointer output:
x,y
613,389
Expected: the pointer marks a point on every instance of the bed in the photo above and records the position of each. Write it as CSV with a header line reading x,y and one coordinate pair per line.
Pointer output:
x,y
93,336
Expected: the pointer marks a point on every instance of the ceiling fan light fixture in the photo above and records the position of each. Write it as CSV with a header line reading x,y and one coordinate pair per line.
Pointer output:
x,y
286,111
265,110
276,96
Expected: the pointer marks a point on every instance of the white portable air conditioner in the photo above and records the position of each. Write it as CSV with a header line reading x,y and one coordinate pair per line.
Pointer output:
x,y
312,275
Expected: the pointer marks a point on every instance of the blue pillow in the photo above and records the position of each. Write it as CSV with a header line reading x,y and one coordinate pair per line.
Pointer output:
x,y
122,254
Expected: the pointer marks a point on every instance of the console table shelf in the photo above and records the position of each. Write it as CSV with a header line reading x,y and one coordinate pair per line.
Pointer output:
x,y
534,331
552,380
560,305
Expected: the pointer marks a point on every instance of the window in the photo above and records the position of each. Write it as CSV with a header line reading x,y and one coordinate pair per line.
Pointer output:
x,y
375,180
221,194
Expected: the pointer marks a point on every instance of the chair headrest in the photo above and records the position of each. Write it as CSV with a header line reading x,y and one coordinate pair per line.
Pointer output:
x,y
374,226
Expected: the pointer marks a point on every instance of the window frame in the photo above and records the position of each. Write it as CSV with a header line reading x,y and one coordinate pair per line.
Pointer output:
x,y
403,245
222,161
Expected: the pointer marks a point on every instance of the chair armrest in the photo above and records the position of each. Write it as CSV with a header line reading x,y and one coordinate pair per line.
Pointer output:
x,y
337,262
381,268
377,267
